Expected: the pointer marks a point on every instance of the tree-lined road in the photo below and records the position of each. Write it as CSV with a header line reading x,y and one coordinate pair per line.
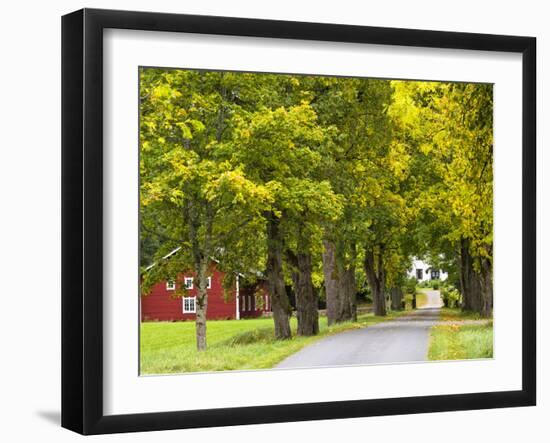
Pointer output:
x,y
326,185
404,339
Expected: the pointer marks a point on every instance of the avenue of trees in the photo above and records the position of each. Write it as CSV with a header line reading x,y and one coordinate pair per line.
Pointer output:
x,y
326,185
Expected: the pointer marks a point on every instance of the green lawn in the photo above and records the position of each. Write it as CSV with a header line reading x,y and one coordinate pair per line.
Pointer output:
x,y
457,341
169,347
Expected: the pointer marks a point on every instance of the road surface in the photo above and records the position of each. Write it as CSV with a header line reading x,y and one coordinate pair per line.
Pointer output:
x,y
404,339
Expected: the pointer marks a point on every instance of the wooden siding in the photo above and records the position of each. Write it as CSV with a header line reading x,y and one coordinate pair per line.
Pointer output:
x,y
162,304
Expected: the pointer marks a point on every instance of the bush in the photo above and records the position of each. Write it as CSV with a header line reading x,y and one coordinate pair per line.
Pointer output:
x,y
435,284
409,286
450,297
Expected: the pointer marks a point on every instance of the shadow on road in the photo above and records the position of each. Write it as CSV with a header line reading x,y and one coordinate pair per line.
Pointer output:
x,y
421,314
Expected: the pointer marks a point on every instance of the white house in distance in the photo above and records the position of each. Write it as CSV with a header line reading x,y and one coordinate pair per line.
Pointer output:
x,y
424,272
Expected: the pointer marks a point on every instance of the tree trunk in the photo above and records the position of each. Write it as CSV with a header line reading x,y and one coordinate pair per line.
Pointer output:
x,y
307,312
201,261
332,283
374,270
486,282
396,298
276,284
201,306
340,285
470,282
413,304
379,301
347,293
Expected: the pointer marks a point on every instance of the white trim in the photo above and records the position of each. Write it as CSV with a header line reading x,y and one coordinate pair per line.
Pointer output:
x,y
237,311
208,282
170,285
163,258
185,311
185,283
172,252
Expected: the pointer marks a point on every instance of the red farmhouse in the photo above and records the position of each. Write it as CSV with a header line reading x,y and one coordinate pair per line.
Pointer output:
x,y
241,302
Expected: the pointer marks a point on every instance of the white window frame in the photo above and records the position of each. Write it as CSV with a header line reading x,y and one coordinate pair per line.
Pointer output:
x,y
186,284
187,311
209,283
170,285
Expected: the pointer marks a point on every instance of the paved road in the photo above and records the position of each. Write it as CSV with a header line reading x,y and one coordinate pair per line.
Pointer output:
x,y
404,339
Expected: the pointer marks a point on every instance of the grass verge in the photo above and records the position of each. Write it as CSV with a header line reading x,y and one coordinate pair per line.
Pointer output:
x,y
461,341
451,314
169,347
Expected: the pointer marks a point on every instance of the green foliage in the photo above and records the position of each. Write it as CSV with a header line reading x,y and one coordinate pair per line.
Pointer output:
x,y
450,126
409,285
450,297
191,196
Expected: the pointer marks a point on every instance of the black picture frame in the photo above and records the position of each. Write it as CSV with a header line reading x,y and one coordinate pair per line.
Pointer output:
x,y
82,219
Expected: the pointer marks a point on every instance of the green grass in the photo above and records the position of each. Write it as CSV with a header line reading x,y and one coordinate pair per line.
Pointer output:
x,y
461,341
169,347
449,314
